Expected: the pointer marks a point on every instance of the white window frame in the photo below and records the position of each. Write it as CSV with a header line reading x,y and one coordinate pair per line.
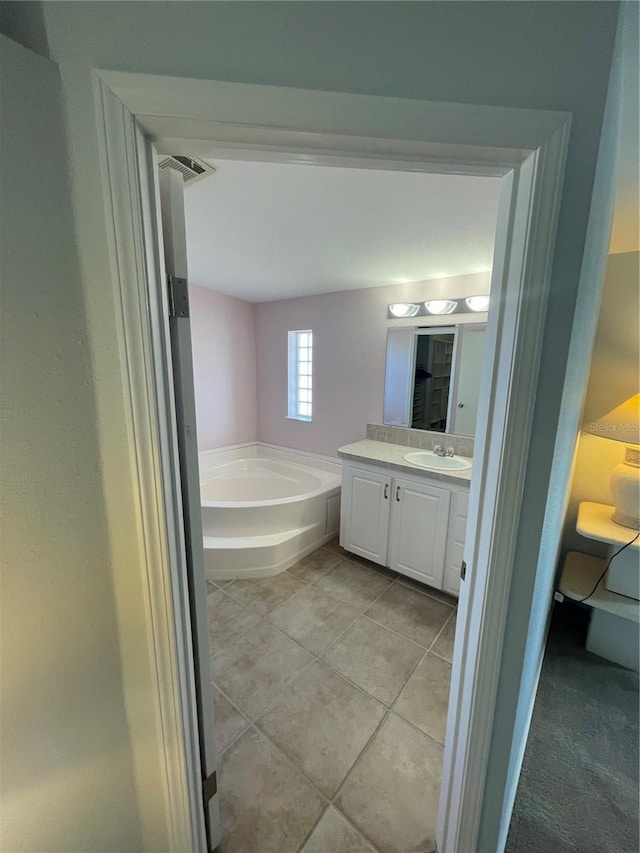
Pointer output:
x,y
296,378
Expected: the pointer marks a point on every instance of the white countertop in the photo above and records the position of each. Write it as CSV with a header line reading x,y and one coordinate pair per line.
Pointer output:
x,y
392,456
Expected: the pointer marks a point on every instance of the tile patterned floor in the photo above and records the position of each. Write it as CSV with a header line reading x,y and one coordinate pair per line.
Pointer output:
x,y
331,684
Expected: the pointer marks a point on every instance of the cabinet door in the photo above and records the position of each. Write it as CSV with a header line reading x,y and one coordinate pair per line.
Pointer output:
x,y
418,533
366,496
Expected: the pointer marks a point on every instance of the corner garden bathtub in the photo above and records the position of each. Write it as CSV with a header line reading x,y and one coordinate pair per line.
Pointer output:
x,y
260,515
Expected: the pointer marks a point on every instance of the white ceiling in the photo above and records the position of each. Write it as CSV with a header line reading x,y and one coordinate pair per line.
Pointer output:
x,y
265,231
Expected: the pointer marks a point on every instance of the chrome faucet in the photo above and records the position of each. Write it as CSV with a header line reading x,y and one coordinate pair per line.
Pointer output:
x,y
439,450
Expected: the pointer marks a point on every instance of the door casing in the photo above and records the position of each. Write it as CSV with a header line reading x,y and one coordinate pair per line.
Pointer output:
x,y
137,114
174,241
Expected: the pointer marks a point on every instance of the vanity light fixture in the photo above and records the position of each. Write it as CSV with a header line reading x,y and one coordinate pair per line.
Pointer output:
x,y
404,309
477,303
441,306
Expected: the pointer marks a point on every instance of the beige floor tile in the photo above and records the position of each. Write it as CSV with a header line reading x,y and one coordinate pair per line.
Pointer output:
x,y
227,620
322,723
264,594
229,722
353,584
211,587
265,806
425,698
312,619
334,545
253,670
315,565
383,570
392,792
334,834
443,646
374,658
428,590
417,617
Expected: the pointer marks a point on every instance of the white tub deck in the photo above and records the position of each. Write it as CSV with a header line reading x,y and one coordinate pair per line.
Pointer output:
x,y
262,513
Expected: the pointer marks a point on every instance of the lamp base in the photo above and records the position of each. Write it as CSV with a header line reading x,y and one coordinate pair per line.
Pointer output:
x,y
625,489
626,520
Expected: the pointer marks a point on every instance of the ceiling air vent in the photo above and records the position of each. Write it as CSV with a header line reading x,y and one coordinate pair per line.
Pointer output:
x,y
191,170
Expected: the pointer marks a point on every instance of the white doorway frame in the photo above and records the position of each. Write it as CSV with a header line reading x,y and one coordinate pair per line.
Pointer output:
x,y
527,149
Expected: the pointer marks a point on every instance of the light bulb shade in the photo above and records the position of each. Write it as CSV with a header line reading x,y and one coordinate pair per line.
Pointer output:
x,y
404,309
621,423
477,303
441,306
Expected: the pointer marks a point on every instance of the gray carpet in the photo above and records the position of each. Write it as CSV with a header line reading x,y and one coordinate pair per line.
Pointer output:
x,y
578,792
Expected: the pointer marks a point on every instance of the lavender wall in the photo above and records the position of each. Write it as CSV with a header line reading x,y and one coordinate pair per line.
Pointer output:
x,y
350,337
224,367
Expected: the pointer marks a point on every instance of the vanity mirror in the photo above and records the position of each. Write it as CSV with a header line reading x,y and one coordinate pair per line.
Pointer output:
x,y
432,377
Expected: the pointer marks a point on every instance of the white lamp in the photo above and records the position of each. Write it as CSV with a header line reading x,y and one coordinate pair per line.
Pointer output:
x,y
404,309
441,306
623,424
477,303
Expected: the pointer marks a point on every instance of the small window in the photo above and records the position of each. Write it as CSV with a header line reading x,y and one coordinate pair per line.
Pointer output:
x,y
300,374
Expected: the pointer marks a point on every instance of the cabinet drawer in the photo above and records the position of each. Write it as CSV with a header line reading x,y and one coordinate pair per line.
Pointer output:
x,y
456,554
451,583
462,503
459,529
455,543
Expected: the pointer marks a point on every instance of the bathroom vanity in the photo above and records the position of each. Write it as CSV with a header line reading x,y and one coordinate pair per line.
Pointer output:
x,y
403,516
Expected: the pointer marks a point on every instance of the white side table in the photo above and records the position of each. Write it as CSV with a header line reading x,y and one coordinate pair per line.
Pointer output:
x,y
594,522
614,630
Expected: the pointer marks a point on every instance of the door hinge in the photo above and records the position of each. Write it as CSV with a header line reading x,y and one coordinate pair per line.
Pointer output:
x,y
463,571
209,787
178,296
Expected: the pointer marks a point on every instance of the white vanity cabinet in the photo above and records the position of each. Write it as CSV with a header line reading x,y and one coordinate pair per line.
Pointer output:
x,y
410,523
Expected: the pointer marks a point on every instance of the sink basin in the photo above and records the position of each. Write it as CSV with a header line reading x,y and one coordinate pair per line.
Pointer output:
x,y
429,459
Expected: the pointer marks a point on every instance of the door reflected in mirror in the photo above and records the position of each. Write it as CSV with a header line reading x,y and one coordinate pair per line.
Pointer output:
x,y
432,381
432,378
